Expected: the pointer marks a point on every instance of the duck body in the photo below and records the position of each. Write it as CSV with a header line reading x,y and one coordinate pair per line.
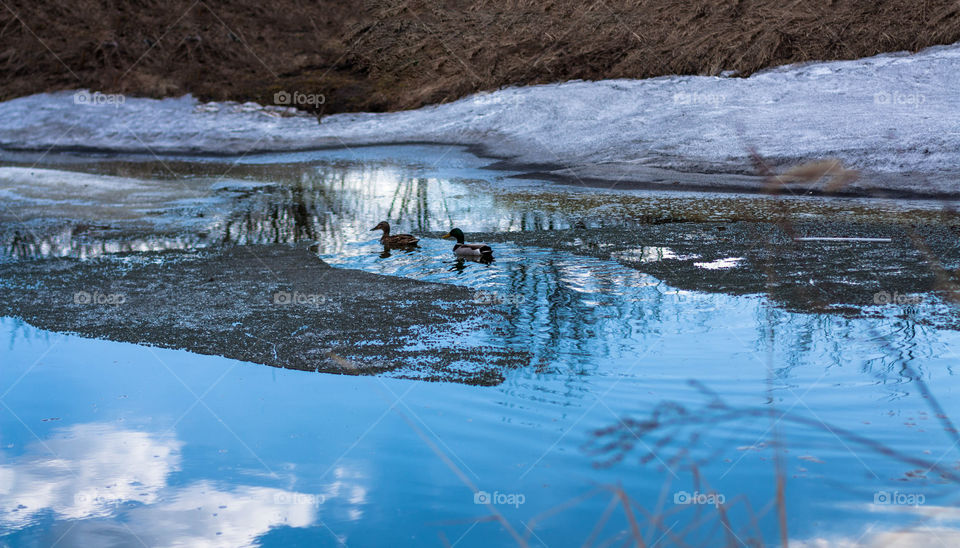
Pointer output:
x,y
467,250
399,240
472,250
394,240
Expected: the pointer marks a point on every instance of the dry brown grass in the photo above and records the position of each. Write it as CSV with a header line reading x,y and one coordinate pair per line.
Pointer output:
x,y
442,49
393,54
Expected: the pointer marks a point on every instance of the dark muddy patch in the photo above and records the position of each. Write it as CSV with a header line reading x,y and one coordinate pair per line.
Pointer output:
x,y
798,266
275,305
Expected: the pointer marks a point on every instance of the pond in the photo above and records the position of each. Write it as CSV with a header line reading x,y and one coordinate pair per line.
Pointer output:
x,y
693,375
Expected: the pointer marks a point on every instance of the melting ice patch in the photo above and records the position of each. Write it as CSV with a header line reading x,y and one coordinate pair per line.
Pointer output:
x,y
891,113
650,254
720,264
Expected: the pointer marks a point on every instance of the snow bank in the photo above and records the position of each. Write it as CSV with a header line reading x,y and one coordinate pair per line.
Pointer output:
x,y
893,114
29,178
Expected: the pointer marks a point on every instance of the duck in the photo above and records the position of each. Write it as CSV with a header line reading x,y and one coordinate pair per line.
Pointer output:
x,y
467,250
397,240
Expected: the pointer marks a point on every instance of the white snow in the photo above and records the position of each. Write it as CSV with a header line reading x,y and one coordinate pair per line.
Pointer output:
x,y
30,178
841,239
893,114
720,264
28,194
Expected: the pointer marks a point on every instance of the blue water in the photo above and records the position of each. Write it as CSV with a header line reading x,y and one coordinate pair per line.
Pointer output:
x,y
105,443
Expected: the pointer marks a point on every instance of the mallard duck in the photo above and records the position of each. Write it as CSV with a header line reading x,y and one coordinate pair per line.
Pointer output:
x,y
397,240
467,250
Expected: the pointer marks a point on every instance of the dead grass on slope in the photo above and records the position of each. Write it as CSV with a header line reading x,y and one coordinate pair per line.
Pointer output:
x,y
395,54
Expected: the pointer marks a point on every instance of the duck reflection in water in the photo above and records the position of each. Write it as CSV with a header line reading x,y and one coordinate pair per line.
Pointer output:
x,y
460,263
389,250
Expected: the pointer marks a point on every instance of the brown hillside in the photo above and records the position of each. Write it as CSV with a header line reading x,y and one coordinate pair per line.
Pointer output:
x,y
405,53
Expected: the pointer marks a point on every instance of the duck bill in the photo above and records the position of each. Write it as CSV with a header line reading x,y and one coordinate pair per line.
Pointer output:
x,y
446,236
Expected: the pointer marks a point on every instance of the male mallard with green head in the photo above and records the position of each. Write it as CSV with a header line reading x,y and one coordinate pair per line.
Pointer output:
x,y
467,250
397,240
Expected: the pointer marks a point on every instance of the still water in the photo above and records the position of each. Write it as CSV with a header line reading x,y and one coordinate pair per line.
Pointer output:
x,y
644,405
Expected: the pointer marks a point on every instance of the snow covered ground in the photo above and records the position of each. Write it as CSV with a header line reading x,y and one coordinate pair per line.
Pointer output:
x,y
896,117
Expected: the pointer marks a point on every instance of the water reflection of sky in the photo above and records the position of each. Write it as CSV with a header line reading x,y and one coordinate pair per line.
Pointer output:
x,y
97,472
113,444
108,466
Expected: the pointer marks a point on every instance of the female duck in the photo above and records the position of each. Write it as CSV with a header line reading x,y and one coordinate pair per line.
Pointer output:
x,y
397,240
467,250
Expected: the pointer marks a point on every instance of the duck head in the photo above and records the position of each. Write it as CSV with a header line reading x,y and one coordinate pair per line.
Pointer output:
x,y
454,233
382,225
